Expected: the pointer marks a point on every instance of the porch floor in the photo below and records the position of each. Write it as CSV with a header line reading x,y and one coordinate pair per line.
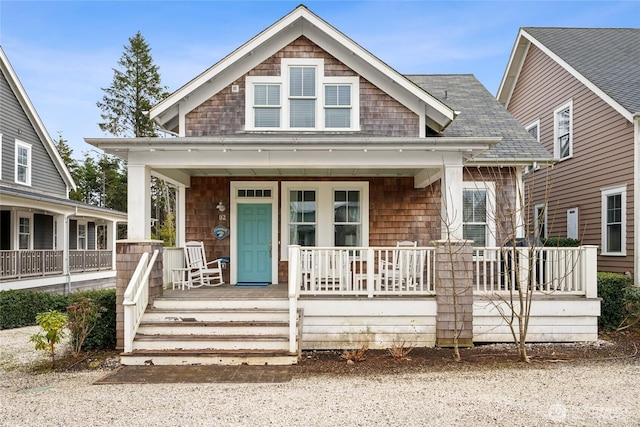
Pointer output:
x,y
230,291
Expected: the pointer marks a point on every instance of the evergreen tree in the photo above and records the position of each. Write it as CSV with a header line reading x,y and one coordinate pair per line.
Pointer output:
x,y
135,89
74,168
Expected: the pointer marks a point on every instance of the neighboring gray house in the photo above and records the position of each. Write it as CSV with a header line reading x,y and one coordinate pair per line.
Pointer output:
x,y
578,91
46,240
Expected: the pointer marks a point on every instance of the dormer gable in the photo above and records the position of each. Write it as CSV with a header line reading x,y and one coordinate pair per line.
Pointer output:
x,y
335,97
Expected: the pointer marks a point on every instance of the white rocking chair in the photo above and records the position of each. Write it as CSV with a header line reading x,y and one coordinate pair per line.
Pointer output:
x,y
199,271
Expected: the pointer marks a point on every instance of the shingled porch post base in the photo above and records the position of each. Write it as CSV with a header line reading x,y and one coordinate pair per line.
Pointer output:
x,y
128,254
454,291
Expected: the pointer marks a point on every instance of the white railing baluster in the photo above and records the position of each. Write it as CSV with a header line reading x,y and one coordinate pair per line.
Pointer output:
x,y
136,298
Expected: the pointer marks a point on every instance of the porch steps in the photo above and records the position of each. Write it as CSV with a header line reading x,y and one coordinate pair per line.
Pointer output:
x,y
226,331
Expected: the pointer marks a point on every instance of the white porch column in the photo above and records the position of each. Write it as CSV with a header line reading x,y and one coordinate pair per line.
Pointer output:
x,y
112,236
452,202
139,202
181,215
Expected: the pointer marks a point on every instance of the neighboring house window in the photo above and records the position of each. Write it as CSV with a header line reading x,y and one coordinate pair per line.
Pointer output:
x,y
302,97
266,104
24,233
346,217
614,221
534,130
23,163
324,214
302,217
478,222
563,131
540,221
82,236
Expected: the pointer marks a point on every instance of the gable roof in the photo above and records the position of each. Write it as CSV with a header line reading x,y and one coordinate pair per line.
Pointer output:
x,y
481,115
607,60
301,22
34,118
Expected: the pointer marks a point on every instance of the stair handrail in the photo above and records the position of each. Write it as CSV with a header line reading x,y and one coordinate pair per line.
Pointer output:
x,y
136,298
294,289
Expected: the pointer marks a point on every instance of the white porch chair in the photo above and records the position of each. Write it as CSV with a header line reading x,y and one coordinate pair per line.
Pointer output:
x,y
198,271
401,271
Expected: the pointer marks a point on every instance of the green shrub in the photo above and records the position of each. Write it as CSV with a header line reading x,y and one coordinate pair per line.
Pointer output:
x,y
614,289
560,242
103,335
19,308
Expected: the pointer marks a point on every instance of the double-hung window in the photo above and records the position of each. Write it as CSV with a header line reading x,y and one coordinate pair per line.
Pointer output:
x,y
266,104
346,217
563,131
324,214
24,233
302,217
302,97
614,220
23,163
337,106
478,201
534,131
82,236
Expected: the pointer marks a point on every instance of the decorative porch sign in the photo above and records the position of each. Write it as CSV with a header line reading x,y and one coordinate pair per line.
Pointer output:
x,y
220,231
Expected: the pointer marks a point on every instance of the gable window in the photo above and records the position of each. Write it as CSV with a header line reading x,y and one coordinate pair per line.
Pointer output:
x,y
614,221
477,213
302,97
337,106
563,131
23,163
266,105
325,214
534,131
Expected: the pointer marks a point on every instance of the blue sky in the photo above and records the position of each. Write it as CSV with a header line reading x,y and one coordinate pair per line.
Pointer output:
x,y
64,51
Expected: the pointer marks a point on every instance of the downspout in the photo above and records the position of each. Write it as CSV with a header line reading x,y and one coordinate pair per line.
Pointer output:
x,y
636,198
68,248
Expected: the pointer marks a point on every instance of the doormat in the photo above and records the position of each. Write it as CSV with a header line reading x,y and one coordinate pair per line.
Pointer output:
x,y
252,284
160,374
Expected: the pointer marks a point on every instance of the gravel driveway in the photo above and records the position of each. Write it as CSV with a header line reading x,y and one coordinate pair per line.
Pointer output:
x,y
580,394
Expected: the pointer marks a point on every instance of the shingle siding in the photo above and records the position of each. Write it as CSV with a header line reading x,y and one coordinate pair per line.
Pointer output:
x,y
224,112
14,125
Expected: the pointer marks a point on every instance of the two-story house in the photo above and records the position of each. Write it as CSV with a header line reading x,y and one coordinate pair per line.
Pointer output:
x,y
47,242
325,174
577,90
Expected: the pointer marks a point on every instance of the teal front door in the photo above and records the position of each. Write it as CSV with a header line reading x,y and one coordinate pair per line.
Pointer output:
x,y
254,243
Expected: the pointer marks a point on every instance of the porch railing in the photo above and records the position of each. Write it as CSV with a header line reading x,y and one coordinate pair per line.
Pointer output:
x,y
562,271
90,260
136,298
19,264
378,271
365,271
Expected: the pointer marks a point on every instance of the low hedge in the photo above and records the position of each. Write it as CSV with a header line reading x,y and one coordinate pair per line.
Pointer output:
x,y
560,242
614,289
19,308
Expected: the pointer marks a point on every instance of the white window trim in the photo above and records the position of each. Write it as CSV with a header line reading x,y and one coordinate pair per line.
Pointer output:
x,y
324,214
20,144
533,167
86,235
606,192
490,188
536,221
556,144
321,81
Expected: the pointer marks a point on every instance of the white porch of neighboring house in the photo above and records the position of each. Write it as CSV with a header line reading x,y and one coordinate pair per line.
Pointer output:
x,y
306,311
56,246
